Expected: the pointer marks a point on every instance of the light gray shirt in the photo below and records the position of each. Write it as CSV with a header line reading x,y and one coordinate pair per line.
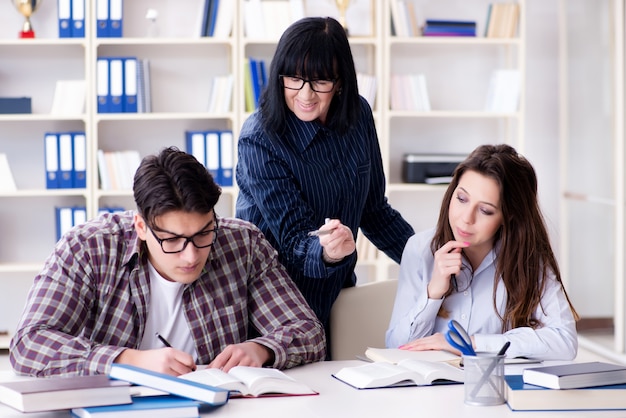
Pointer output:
x,y
415,315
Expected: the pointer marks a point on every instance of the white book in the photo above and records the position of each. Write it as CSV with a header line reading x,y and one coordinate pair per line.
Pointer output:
x,y
7,182
503,91
103,171
253,21
224,20
250,381
405,373
69,98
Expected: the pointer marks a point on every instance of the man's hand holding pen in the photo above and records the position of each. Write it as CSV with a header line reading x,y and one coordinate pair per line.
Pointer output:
x,y
336,239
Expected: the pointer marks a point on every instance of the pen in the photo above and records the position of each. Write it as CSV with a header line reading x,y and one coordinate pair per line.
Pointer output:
x,y
318,233
455,285
163,340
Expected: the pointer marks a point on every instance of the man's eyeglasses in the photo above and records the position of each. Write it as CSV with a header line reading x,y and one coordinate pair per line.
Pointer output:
x,y
293,82
177,244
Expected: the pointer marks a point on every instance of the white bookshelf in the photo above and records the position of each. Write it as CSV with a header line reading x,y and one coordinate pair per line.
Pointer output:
x,y
182,67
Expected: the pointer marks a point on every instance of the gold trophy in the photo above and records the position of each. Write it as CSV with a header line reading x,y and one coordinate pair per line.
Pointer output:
x,y
26,8
342,5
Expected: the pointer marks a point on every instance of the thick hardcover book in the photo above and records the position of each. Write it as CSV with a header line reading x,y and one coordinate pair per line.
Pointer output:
x,y
525,397
49,394
148,406
170,384
404,373
576,375
251,381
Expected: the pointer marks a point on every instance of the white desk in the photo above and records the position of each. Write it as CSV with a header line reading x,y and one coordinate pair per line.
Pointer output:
x,y
336,399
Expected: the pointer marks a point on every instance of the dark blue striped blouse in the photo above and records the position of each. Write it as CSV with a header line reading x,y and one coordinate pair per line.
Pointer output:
x,y
289,184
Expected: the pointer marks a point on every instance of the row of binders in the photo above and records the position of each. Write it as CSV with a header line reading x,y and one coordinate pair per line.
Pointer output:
x,y
71,16
109,18
68,217
215,150
65,156
123,85
255,80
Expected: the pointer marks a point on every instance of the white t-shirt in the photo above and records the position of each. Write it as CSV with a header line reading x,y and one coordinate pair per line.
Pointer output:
x,y
166,316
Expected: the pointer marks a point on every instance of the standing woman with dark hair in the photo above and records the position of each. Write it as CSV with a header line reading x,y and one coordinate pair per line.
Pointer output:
x,y
311,154
488,265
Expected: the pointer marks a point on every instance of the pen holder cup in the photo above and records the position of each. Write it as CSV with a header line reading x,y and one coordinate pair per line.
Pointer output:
x,y
484,379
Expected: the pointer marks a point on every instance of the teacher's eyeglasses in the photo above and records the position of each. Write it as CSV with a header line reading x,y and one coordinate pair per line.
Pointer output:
x,y
293,82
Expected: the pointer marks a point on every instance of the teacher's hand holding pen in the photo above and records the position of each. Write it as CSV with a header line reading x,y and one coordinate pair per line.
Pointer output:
x,y
336,240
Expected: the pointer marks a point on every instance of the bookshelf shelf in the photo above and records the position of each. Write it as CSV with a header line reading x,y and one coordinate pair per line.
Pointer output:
x,y
183,66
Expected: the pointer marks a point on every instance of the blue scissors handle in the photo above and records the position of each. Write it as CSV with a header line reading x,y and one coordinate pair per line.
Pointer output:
x,y
458,338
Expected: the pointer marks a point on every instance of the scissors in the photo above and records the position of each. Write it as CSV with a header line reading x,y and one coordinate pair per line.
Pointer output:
x,y
459,338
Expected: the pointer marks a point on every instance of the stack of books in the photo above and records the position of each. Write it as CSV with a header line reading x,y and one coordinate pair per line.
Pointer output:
x,y
575,386
449,28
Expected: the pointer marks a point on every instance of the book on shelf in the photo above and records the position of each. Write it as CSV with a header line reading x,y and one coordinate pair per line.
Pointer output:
x,y
165,406
434,27
502,20
576,375
7,182
406,372
525,397
251,381
221,94
409,92
116,169
54,393
69,98
367,87
504,91
170,384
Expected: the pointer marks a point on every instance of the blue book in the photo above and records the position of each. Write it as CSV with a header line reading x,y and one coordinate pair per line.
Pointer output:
x,y
212,17
64,14
256,81
176,407
116,13
130,84
51,158
170,384
78,19
66,161
195,145
102,18
102,85
116,85
79,151
226,158
524,397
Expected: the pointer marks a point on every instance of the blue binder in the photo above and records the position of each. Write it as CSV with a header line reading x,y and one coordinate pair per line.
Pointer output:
x,y
130,84
64,14
65,220
116,85
226,158
51,158
66,161
102,18
213,154
102,85
116,12
79,148
195,145
78,18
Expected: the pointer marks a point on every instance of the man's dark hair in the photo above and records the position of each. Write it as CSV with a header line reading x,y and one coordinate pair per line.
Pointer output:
x,y
173,180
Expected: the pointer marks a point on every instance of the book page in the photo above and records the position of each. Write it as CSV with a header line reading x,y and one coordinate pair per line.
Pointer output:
x,y
378,375
263,380
217,378
433,371
395,355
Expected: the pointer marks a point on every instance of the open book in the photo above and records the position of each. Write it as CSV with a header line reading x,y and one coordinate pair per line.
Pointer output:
x,y
250,381
395,355
405,373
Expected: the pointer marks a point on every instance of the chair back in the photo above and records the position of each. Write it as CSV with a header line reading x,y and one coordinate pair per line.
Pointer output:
x,y
359,318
